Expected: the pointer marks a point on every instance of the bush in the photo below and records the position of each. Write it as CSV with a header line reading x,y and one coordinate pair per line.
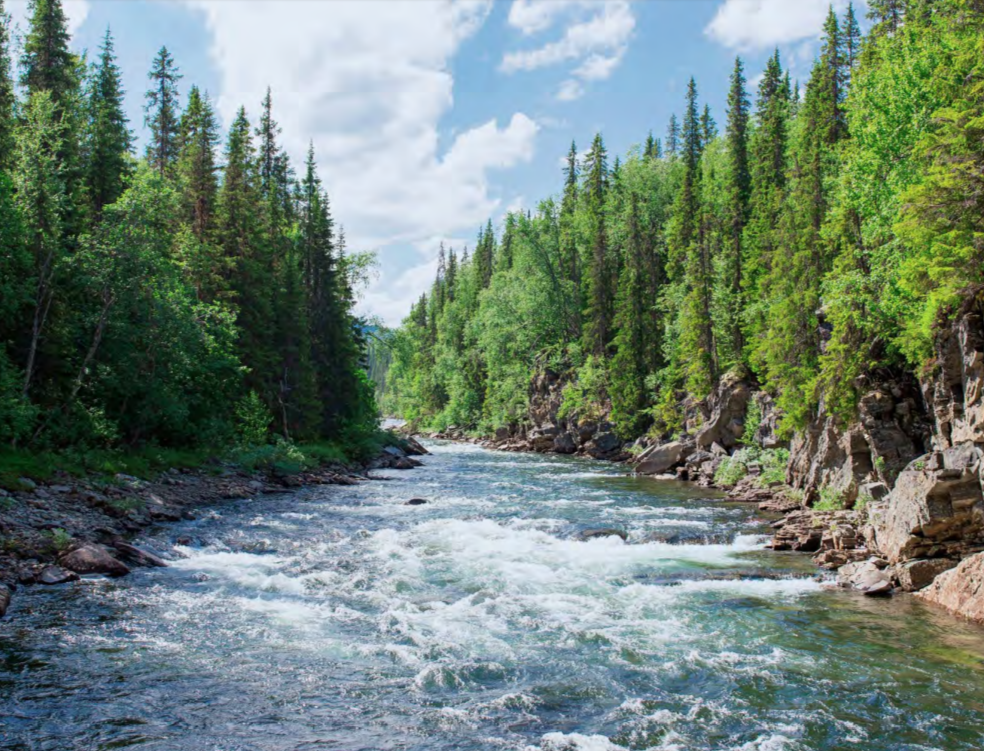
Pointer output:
x,y
830,500
61,540
753,418
735,468
253,420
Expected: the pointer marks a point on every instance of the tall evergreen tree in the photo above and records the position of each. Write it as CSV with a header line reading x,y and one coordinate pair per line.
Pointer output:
x,y
673,136
739,187
886,15
599,293
196,168
852,40
109,141
47,64
708,127
163,113
7,95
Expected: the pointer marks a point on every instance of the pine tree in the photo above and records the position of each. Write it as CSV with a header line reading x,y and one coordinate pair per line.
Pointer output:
x,y
451,276
886,15
673,136
484,259
268,131
834,77
504,258
599,292
7,95
739,187
708,127
569,262
196,169
47,64
163,116
852,41
109,141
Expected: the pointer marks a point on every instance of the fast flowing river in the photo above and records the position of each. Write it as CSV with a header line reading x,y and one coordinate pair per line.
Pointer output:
x,y
340,618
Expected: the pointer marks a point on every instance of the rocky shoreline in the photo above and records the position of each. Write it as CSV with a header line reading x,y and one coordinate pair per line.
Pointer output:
x,y
68,527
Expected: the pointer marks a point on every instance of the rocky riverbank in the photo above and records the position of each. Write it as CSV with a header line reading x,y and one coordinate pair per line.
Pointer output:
x,y
894,501
54,532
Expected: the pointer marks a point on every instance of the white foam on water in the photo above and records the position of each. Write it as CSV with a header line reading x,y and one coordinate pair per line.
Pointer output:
x,y
575,742
260,572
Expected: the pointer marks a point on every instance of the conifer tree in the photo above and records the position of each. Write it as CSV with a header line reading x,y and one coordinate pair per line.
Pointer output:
x,y
504,258
163,115
47,64
451,276
673,136
833,79
599,292
109,140
7,95
569,262
886,15
852,41
196,168
708,127
739,188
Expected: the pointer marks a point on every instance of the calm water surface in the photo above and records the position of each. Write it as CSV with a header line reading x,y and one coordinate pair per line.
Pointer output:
x,y
340,618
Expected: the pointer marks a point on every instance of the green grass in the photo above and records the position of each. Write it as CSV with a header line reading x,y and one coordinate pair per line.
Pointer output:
x,y
146,463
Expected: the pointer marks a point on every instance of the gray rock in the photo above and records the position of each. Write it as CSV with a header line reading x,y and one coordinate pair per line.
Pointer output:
x,y
603,443
4,599
565,444
92,559
416,502
52,575
916,575
729,404
138,556
866,576
27,483
593,534
960,590
660,459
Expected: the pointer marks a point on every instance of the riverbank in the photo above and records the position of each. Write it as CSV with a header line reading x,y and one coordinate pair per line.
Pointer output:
x,y
67,520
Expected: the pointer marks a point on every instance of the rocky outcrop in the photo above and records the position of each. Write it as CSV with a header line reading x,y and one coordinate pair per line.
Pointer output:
x,y
727,407
960,590
4,599
660,459
915,575
936,509
872,577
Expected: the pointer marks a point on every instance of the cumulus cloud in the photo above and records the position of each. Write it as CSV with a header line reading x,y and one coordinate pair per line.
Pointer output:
x,y
76,11
759,24
369,84
595,38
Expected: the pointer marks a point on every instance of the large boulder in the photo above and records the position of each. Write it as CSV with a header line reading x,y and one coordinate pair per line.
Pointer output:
x,y
728,405
565,444
93,559
916,575
4,599
960,590
936,509
603,446
871,577
660,459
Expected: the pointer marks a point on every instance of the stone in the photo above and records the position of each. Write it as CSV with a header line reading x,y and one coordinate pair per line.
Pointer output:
x,y
935,510
728,405
92,559
603,444
916,575
27,483
405,462
416,502
960,590
138,556
52,575
394,451
4,599
660,459
876,491
866,576
565,444
593,534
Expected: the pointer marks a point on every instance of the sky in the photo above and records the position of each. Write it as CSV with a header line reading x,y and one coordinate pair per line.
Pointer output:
x,y
429,117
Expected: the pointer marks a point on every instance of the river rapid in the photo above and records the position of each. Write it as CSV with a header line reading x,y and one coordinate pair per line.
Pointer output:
x,y
341,618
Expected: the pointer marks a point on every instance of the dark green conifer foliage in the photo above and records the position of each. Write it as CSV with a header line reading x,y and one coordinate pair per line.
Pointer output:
x,y
673,136
739,187
196,169
708,127
886,15
852,41
47,64
109,140
599,284
7,96
163,114
569,260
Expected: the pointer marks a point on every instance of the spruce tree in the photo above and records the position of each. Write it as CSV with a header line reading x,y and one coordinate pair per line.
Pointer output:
x,y
673,136
739,187
852,40
163,114
7,95
196,168
833,78
504,258
109,141
886,15
599,292
708,127
47,64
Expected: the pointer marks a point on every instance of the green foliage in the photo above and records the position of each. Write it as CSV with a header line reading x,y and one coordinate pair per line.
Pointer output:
x,y
253,420
753,419
61,540
830,500
772,462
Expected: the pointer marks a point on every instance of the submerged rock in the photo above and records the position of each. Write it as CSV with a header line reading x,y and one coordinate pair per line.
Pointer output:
x,y
138,556
4,599
92,559
960,590
593,534
52,575
417,502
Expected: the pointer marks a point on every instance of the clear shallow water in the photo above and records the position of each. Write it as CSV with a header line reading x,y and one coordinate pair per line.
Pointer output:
x,y
339,618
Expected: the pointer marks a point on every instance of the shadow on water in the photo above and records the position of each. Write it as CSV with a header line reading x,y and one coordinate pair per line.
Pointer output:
x,y
343,618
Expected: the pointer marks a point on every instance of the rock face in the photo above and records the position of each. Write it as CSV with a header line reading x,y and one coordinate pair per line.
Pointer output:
x,y
960,590
4,599
660,459
92,559
936,509
728,405
915,575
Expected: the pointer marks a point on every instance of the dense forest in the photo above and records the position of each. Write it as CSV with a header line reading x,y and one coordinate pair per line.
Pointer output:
x,y
812,240
197,295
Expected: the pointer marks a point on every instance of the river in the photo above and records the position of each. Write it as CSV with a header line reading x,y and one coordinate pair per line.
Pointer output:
x,y
341,618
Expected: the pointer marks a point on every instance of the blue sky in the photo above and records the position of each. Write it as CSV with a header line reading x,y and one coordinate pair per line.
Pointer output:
x,y
428,116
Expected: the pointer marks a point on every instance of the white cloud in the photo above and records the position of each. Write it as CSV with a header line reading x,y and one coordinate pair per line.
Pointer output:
x,y
759,24
76,11
369,83
596,36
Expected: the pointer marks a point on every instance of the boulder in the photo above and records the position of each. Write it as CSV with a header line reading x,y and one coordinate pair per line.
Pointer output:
x,y
4,599
593,534
565,444
52,575
416,502
916,575
728,404
405,462
960,590
586,431
92,559
138,556
660,459
871,577
936,509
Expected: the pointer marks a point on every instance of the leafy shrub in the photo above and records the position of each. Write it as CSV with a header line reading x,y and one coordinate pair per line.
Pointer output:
x,y
830,500
60,539
753,418
734,468
585,395
253,420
